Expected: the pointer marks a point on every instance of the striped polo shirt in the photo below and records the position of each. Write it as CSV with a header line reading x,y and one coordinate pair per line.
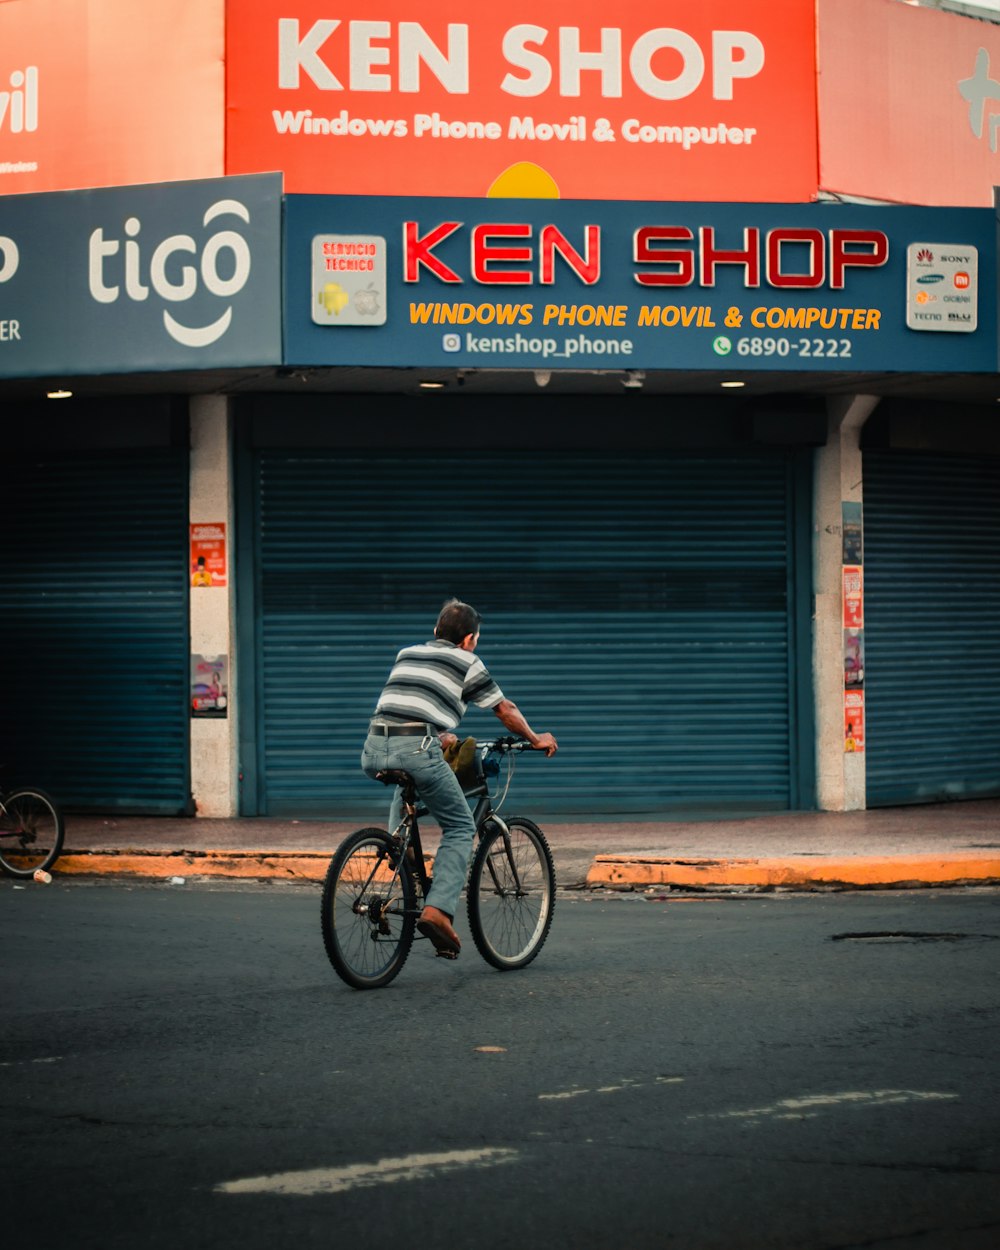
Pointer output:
x,y
434,682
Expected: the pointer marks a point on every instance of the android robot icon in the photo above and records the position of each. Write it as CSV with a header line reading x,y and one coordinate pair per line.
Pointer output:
x,y
334,298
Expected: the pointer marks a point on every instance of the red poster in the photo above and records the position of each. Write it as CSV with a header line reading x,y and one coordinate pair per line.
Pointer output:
x,y
854,597
571,99
854,720
208,554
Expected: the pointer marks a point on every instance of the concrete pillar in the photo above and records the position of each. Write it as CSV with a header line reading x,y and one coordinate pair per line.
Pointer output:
x,y
840,775
214,753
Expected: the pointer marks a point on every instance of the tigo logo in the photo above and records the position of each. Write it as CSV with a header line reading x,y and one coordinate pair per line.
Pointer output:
x,y
19,106
172,281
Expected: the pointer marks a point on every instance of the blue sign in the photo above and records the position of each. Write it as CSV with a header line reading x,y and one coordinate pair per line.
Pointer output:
x,y
596,285
147,278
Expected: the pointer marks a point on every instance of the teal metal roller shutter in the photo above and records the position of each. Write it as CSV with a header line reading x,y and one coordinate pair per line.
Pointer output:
x,y
932,626
636,607
94,629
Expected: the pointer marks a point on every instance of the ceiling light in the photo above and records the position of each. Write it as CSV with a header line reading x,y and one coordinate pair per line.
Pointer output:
x,y
58,394
542,377
431,386
633,379
732,384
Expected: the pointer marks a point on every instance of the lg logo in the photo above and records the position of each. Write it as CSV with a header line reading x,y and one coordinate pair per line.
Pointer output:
x,y
168,276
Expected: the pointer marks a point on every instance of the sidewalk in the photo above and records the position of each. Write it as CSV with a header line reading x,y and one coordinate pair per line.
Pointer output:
x,y
940,844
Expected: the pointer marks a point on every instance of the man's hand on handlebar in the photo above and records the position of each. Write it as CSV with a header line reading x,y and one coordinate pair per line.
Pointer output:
x,y
509,714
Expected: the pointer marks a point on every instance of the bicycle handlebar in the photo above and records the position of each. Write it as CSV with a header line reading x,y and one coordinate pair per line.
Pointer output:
x,y
507,742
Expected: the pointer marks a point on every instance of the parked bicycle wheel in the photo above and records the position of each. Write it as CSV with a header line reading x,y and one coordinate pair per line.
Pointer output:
x,y
31,832
369,911
512,892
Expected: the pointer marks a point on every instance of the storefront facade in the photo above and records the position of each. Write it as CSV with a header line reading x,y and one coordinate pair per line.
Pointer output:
x,y
718,466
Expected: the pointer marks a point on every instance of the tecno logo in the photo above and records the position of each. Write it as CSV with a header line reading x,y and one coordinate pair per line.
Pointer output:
x,y
10,258
221,262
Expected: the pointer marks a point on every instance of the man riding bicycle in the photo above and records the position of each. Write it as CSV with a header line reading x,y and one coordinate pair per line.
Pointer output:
x,y
424,699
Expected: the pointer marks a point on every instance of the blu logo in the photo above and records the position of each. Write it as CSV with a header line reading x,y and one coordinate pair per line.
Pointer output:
x,y
172,281
19,106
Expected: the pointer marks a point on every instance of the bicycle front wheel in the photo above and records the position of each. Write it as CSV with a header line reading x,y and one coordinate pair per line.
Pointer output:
x,y
512,893
31,832
369,910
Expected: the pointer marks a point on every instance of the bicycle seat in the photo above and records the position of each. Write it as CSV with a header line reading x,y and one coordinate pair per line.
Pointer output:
x,y
394,777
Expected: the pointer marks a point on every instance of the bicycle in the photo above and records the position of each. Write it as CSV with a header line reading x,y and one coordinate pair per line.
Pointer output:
x,y
31,832
376,883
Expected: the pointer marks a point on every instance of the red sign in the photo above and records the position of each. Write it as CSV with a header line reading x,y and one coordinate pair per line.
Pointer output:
x,y
854,720
208,554
909,103
654,100
854,597
97,93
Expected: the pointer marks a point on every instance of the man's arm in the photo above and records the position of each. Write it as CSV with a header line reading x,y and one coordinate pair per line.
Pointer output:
x,y
510,716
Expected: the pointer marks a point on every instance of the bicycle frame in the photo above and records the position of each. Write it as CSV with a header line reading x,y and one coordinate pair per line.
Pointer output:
x,y
408,834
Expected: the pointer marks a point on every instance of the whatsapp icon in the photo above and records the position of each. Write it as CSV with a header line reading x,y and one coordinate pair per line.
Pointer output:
x,y
721,345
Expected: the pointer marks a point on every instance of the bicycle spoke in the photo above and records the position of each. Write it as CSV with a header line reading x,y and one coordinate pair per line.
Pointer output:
x,y
368,912
511,895
30,832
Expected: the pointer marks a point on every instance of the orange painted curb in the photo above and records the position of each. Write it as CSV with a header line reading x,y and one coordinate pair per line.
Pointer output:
x,y
283,865
792,871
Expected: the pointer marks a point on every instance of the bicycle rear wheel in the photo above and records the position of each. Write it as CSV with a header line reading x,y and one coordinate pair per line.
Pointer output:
x,y
369,911
512,893
31,832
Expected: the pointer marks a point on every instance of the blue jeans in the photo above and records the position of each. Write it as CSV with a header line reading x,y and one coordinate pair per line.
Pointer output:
x,y
439,790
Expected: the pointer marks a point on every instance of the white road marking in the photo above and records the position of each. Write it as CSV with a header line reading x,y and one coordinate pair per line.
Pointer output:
x,y
363,1175
13,1063
627,1083
809,1106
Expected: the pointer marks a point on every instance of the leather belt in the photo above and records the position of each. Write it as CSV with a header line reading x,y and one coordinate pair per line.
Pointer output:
x,y
403,731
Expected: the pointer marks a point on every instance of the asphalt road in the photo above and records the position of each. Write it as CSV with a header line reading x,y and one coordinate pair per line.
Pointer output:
x,y
179,1067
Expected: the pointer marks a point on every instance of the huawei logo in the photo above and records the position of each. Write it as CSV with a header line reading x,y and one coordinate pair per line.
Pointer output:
x,y
926,255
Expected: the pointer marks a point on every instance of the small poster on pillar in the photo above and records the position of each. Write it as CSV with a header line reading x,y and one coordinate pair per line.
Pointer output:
x,y
854,721
208,553
854,603
210,686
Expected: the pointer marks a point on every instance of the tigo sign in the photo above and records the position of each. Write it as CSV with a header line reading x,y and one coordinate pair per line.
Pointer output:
x,y
168,276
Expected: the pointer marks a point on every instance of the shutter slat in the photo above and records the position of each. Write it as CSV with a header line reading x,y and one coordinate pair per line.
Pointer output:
x,y
932,626
94,630
636,607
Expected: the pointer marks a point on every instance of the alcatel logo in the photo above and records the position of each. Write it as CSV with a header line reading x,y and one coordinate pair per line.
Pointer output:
x,y
19,106
168,277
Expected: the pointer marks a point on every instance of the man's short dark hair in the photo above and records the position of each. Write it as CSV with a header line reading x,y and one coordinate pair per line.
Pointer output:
x,y
456,621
